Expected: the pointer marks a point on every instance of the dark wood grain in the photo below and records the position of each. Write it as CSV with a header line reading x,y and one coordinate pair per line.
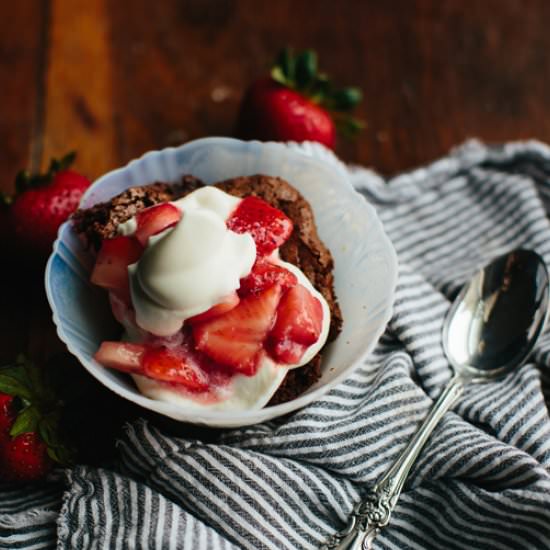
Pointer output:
x,y
433,73
79,113
124,77
23,36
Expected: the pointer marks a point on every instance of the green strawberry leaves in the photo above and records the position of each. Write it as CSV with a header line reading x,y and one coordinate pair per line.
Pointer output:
x,y
348,126
300,72
39,409
306,69
25,180
283,71
15,380
64,163
49,432
345,99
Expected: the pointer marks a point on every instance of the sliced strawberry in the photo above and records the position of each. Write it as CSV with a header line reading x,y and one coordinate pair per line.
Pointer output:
x,y
111,266
227,304
155,219
298,325
236,338
265,274
269,227
175,366
121,356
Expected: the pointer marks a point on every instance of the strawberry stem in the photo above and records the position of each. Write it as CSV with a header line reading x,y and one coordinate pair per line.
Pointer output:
x,y
348,126
40,409
283,70
64,163
306,69
25,180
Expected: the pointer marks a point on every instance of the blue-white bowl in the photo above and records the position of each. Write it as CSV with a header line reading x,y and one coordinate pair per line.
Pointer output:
x,y
365,261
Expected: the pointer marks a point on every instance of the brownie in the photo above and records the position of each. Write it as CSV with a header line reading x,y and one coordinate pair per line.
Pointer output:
x,y
303,249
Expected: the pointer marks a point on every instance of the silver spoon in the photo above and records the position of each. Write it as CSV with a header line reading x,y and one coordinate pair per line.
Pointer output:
x,y
489,330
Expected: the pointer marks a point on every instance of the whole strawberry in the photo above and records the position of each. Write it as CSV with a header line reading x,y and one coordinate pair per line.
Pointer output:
x,y
296,103
25,458
42,203
29,418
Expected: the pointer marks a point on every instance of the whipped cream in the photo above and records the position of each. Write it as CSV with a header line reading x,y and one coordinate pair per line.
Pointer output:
x,y
187,269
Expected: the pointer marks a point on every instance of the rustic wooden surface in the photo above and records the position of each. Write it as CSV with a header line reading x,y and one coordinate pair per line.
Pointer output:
x,y
114,78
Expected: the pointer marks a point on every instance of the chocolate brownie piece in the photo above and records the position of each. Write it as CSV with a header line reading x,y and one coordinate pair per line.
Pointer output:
x,y
303,249
101,220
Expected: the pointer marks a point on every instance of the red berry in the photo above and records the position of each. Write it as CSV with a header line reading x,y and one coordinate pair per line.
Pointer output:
x,y
225,305
176,366
25,458
297,103
37,212
155,219
265,274
29,423
122,356
111,267
236,338
269,227
271,111
298,325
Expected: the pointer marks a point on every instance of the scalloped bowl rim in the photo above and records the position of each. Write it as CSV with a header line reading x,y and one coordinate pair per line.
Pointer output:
x,y
227,418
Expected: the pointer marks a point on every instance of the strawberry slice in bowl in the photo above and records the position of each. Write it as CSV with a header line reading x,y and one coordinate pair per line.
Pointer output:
x,y
223,306
269,227
156,219
181,366
236,338
122,356
265,274
298,325
177,366
111,266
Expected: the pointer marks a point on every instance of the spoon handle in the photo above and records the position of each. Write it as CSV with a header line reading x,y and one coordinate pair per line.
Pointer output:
x,y
373,513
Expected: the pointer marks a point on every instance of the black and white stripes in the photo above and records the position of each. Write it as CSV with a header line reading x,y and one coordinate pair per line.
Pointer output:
x,y
28,515
483,481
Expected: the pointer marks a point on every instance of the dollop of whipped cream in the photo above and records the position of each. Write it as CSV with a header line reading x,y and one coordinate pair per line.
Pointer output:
x,y
187,269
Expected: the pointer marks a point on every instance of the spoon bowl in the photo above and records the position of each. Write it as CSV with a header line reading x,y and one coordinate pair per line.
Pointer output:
x,y
495,320
489,330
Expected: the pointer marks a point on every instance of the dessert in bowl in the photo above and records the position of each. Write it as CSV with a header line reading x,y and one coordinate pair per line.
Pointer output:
x,y
364,275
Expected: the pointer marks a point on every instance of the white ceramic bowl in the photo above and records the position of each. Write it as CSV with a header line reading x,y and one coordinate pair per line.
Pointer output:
x,y
365,261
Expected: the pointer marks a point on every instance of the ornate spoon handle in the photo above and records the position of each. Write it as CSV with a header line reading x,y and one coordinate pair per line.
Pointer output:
x,y
373,513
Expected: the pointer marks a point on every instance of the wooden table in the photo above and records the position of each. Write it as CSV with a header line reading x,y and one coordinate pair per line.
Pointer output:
x,y
115,78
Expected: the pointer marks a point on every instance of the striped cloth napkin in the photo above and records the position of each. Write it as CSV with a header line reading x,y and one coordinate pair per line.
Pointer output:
x,y
483,480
